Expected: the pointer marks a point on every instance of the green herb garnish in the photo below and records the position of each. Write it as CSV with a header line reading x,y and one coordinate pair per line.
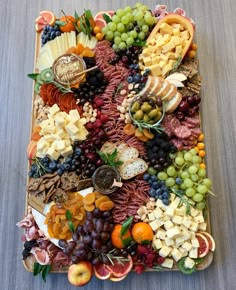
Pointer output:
x,y
125,226
106,18
33,76
110,159
70,223
180,194
43,269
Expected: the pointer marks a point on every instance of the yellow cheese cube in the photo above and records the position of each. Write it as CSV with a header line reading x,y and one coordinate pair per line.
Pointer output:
x,y
166,28
147,60
166,69
155,70
176,26
176,40
167,37
168,47
179,49
185,34
176,32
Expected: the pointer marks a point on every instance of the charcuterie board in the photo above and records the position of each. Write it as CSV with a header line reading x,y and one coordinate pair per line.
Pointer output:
x,y
117,177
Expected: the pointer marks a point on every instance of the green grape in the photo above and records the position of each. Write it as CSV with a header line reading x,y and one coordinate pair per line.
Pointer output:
x,y
182,186
130,17
105,30
200,205
120,12
144,8
138,15
192,169
179,160
111,26
202,172
129,41
196,159
124,36
176,186
133,33
194,177
188,156
141,35
109,35
124,20
141,23
180,154
122,45
145,28
188,182
128,9
149,19
117,33
207,182
171,171
190,192
152,171
202,189
162,175
120,27
197,197
170,181
115,46
117,40
115,19
184,175
193,151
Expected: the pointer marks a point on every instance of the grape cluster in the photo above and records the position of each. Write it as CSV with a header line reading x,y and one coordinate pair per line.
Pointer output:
x,y
94,85
189,106
91,241
158,189
186,174
129,25
49,33
158,150
147,256
127,55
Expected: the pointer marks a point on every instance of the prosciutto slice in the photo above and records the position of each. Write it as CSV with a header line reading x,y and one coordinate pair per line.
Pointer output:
x,y
40,255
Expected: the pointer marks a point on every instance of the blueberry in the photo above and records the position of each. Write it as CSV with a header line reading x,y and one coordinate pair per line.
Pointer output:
x,y
53,165
67,166
153,178
162,182
60,171
152,192
165,195
136,78
58,33
165,201
132,66
36,175
130,79
178,180
155,185
136,67
146,176
68,160
78,151
34,168
150,181
30,174
158,191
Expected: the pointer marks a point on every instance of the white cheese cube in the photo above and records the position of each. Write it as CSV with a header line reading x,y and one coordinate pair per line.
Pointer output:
x,y
170,211
54,109
154,225
168,224
186,235
179,241
42,145
187,246
189,263
195,243
161,234
60,145
151,216
176,254
51,137
194,212
165,251
53,153
71,129
72,119
59,121
186,222
180,211
61,133
174,204
75,114
202,227
158,244
193,253
194,226
172,196
177,220
160,204
199,219
67,151
183,251
172,232
168,263
169,242
158,213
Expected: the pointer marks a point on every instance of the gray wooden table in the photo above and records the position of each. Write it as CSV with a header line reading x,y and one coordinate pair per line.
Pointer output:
x,y
216,38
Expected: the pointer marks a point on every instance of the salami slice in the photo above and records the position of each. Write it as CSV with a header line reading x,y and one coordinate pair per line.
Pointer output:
x,y
182,132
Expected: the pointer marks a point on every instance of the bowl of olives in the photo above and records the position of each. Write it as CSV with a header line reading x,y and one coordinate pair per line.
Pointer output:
x,y
147,111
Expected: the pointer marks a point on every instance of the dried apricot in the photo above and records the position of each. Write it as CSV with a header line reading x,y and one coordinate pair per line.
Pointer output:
x,y
106,205
129,129
100,200
89,198
148,133
89,207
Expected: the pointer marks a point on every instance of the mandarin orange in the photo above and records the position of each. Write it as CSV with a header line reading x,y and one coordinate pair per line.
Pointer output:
x,y
117,239
142,232
70,23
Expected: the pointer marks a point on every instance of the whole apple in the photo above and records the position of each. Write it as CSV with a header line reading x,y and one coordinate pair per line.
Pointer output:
x,y
80,274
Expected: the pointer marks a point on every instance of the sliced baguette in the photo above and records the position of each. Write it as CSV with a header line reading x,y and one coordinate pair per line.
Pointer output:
x,y
147,87
108,147
132,168
159,83
164,89
127,154
170,94
173,103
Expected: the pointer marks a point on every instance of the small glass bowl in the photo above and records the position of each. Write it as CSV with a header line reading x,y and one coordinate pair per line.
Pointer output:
x,y
104,177
67,69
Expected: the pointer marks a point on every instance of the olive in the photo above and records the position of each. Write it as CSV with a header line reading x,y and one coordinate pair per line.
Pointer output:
x,y
153,113
151,122
138,115
135,107
146,118
158,116
146,107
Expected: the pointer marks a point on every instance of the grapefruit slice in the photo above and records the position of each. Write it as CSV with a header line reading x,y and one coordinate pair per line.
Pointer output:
x,y
48,16
102,272
100,23
203,245
212,245
116,279
40,20
120,269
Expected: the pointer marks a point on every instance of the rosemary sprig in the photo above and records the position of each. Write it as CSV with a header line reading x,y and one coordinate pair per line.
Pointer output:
x,y
176,65
180,194
119,259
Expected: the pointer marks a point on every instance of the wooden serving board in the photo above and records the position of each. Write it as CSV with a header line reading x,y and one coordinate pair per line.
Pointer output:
x,y
29,262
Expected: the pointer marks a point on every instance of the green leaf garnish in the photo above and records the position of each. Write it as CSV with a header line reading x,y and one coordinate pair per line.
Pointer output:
x,y
71,226
76,16
139,43
44,269
68,215
110,159
125,226
33,76
60,23
180,194
37,268
106,18
88,13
